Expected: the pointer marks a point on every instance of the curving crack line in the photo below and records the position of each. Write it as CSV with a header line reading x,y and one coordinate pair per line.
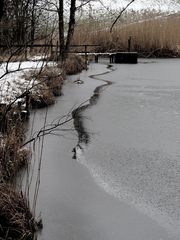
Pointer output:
x,y
83,135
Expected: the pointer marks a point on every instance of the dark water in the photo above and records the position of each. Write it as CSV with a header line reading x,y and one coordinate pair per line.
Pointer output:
x,y
133,154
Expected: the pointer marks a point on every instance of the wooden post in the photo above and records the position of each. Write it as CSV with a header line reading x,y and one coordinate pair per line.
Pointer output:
x,y
86,57
57,44
27,104
96,58
129,44
111,58
51,49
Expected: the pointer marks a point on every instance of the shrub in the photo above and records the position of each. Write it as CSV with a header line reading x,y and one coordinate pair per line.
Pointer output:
x,y
16,220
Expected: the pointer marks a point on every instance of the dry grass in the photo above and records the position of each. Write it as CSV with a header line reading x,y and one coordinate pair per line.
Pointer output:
x,y
73,64
53,77
51,80
12,157
50,85
147,35
42,97
16,221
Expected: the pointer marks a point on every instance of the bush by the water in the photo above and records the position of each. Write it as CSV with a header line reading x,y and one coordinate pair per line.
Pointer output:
x,y
16,220
73,64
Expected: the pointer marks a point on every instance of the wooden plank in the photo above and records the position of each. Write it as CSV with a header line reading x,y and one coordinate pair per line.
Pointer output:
x,y
83,45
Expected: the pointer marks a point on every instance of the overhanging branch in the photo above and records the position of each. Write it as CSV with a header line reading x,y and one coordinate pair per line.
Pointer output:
x,y
120,14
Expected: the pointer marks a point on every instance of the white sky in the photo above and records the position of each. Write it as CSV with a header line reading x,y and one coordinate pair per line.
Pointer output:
x,y
163,5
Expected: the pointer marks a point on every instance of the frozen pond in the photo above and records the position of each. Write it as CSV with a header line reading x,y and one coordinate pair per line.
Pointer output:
x,y
133,154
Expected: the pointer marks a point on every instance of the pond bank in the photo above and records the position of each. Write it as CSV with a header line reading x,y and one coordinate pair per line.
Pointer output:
x,y
22,90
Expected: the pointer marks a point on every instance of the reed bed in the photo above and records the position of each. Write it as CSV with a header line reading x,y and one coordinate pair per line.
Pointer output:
x,y
147,35
12,156
16,220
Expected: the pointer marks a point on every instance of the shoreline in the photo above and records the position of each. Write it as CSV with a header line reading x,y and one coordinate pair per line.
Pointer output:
x,y
15,155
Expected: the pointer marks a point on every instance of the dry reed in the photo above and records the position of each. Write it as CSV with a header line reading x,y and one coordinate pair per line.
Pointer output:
x,y
147,35
16,220
50,81
12,156
73,64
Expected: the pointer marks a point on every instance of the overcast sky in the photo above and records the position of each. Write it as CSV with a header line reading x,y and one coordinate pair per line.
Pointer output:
x,y
139,4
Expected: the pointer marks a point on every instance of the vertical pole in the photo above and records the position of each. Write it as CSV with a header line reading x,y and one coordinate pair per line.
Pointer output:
x,y
51,49
86,56
110,58
96,58
129,44
57,43
25,52
27,104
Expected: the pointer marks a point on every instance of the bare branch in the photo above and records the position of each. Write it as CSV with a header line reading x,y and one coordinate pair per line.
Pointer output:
x,y
49,10
83,4
120,14
48,129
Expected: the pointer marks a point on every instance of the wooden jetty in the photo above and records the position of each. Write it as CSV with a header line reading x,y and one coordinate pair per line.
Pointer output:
x,y
126,57
115,57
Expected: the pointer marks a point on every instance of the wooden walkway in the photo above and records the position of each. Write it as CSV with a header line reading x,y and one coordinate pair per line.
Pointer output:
x,y
82,49
114,57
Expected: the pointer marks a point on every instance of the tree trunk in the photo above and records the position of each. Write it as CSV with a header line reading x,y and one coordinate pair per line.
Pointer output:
x,y
33,21
71,26
61,29
1,9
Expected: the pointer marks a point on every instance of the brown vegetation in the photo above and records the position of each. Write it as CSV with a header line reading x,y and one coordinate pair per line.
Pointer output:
x,y
159,34
12,157
50,81
74,64
16,221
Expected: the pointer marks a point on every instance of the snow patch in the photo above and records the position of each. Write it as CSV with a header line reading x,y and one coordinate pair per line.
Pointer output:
x,y
12,79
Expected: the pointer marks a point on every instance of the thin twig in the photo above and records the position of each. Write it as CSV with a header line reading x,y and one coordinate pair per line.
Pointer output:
x,y
120,14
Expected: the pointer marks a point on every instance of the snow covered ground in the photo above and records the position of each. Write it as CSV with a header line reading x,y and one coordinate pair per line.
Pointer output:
x,y
13,80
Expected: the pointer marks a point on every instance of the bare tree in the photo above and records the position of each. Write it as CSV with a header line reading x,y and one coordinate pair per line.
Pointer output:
x,y
62,9
33,21
21,18
64,44
1,9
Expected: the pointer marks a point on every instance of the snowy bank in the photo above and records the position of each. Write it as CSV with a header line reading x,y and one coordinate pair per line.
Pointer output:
x,y
13,80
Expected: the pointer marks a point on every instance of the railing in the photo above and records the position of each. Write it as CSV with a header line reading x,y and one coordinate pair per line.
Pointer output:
x,y
117,56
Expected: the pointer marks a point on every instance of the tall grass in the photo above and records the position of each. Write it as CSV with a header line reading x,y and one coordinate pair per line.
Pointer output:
x,y
16,220
147,35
